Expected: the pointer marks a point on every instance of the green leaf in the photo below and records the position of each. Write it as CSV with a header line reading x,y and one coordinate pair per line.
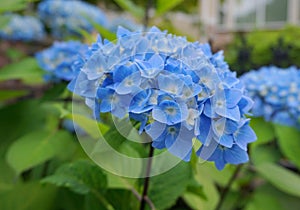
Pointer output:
x,y
105,33
120,140
264,131
268,197
82,177
37,147
11,94
4,20
281,178
28,196
220,177
164,6
14,54
12,5
130,7
166,188
26,70
125,199
54,92
92,127
18,119
6,181
288,141
67,199
199,202
265,153
195,188
210,191
92,203
119,198
118,182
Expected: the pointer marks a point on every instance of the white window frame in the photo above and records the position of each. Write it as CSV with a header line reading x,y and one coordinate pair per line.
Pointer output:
x,y
230,23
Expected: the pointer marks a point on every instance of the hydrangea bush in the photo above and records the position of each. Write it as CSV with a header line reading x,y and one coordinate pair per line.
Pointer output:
x,y
276,93
68,17
22,28
177,90
58,60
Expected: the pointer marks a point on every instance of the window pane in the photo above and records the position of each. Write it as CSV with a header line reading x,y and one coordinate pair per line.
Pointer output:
x,y
276,10
245,12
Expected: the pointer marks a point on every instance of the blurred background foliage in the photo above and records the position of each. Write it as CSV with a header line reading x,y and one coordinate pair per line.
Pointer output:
x,y
42,165
263,48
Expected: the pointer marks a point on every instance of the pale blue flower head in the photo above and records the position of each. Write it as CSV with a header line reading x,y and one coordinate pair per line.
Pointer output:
x,y
276,94
22,28
179,92
66,18
61,60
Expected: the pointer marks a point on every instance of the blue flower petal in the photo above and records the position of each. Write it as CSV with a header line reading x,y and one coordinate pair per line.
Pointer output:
x,y
170,84
235,155
226,140
232,97
244,136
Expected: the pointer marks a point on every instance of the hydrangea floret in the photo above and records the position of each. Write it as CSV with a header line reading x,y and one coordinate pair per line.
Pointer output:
x,y
22,28
179,91
276,94
59,60
66,18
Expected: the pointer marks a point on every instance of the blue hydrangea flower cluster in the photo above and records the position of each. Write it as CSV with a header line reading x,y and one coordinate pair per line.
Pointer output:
x,y
68,17
59,60
179,91
22,28
276,94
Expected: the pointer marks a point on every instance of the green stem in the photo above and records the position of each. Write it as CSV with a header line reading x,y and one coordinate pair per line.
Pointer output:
x,y
228,186
147,179
147,16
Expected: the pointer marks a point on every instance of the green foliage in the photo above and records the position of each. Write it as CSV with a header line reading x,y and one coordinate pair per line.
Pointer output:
x,y
265,153
268,197
104,32
11,94
125,146
289,142
28,196
166,188
261,46
125,199
131,7
264,131
54,92
35,148
90,126
13,5
204,177
13,53
281,178
26,70
4,20
82,177
163,6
